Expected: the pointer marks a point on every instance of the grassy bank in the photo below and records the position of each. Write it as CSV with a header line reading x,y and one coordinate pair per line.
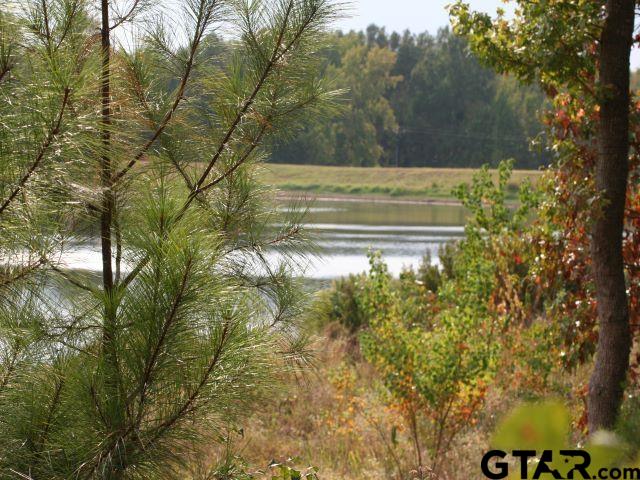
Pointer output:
x,y
418,183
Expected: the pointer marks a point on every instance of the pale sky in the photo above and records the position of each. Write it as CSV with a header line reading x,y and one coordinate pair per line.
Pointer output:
x,y
416,15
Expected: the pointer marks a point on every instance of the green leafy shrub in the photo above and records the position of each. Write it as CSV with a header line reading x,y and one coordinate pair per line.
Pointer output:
x,y
438,334
436,371
346,302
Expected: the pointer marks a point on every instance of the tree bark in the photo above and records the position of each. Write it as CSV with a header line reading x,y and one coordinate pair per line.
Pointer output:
x,y
606,387
105,161
112,381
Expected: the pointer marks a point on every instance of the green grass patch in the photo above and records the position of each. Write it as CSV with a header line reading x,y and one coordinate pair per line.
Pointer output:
x,y
418,183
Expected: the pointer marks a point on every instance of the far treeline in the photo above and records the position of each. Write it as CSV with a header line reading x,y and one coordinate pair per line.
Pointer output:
x,y
418,100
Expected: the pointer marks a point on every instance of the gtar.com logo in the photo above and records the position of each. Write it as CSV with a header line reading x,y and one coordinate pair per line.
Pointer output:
x,y
540,464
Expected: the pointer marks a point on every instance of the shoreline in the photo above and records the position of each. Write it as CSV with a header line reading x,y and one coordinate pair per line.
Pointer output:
x,y
344,197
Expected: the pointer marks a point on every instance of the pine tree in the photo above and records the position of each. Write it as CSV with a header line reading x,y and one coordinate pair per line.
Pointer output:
x,y
127,374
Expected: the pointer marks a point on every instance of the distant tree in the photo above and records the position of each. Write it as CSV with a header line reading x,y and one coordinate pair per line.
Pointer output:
x,y
356,135
372,35
443,106
394,41
369,117
449,110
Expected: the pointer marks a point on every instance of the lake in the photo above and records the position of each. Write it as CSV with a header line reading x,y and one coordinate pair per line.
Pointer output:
x,y
344,231
404,232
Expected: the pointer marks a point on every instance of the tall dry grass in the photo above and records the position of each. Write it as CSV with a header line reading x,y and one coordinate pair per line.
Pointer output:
x,y
338,417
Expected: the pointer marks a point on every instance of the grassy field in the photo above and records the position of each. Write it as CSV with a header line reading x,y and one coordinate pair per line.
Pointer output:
x,y
418,183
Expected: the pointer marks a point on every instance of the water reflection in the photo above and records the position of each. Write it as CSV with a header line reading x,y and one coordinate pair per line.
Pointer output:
x,y
346,231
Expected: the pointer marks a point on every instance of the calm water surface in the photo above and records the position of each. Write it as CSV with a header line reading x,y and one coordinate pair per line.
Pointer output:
x,y
346,230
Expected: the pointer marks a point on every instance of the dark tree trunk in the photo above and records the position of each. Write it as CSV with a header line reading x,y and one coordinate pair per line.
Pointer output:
x,y
105,162
112,381
606,387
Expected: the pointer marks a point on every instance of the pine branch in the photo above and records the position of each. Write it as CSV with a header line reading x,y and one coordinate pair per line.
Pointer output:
x,y
242,160
67,25
10,368
45,19
124,18
96,404
203,20
192,196
24,271
55,402
275,57
171,317
282,237
170,422
118,234
53,133
69,278
189,403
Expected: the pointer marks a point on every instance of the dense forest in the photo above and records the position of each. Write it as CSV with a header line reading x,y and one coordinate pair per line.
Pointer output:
x,y
418,100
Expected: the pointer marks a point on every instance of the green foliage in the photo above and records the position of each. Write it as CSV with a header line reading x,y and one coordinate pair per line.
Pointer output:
x,y
345,303
486,201
408,105
536,426
439,335
125,371
349,300
544,41
628,424
39,158
233,467
286,472
435,371
555,44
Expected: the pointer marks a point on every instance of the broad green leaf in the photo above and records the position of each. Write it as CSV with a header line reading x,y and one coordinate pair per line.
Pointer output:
x,y
534,426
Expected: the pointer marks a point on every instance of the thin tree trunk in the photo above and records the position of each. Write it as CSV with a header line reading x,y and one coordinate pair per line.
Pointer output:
x,y
105,161
106,211
612,356
413,419
107,214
